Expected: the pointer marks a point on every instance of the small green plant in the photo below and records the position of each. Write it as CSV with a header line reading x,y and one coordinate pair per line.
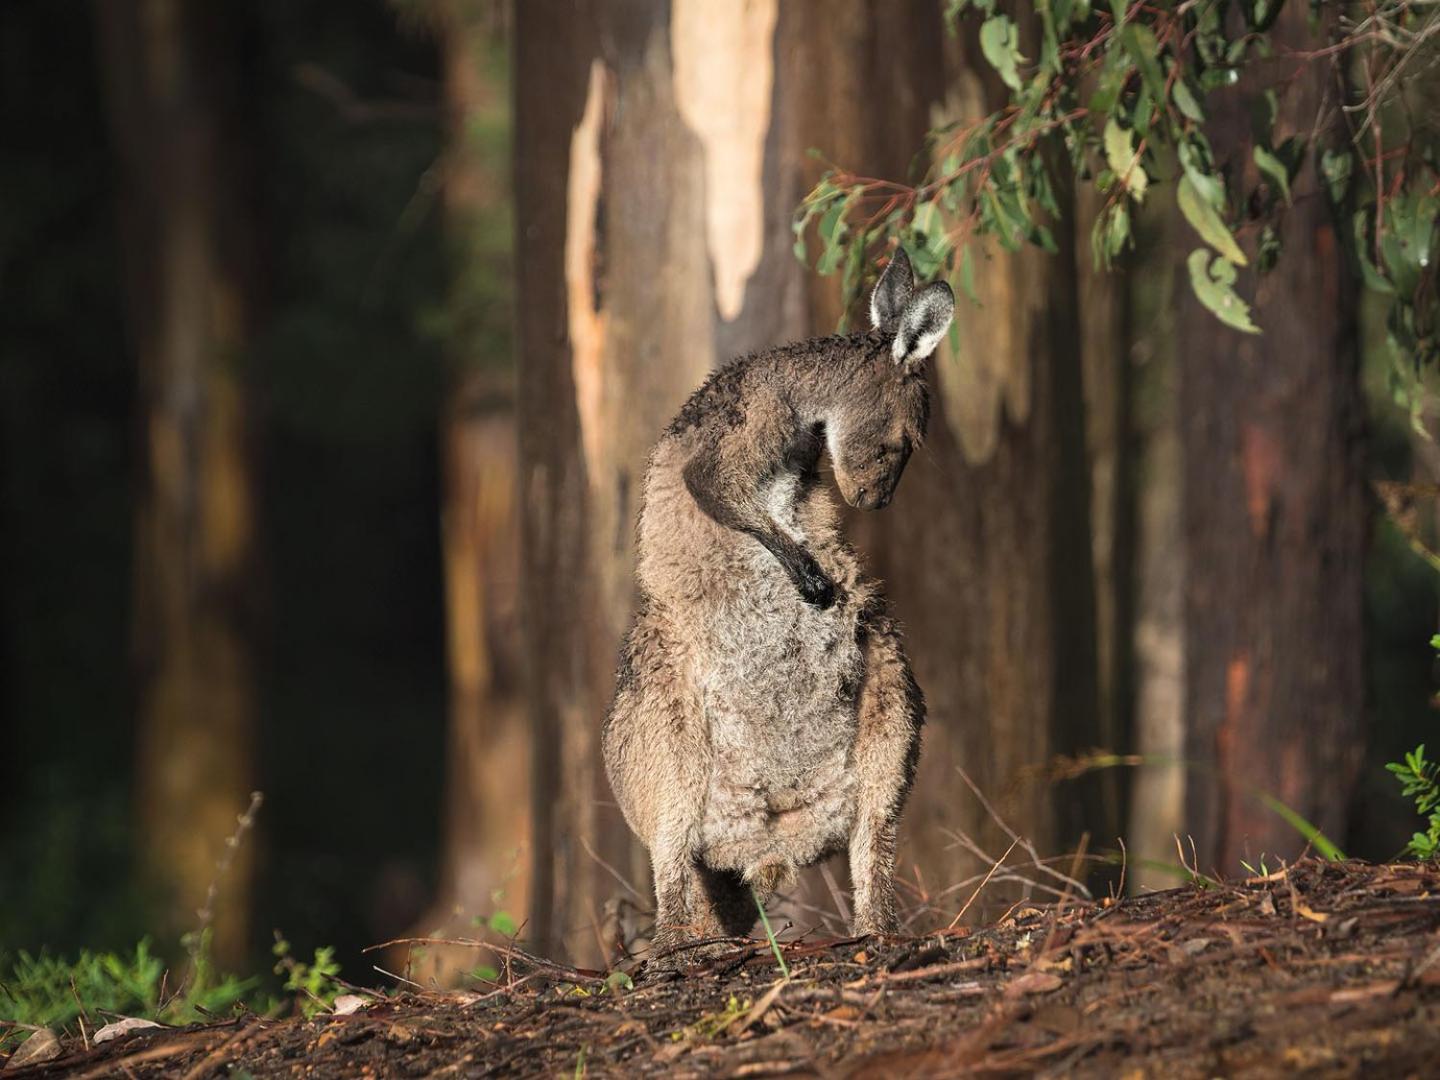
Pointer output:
x,y
502,923
1420,781
314,984
50,991
1263,871
770,935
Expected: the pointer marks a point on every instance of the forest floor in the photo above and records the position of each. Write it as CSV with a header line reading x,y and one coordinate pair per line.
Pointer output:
x,y
1319,969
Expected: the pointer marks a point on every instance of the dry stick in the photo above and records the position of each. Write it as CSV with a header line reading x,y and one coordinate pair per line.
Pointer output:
x,y
995,866
1124,859
84,1016
397,978
610,869
218,1054
1060,907
1028,847
503,950
1011,873
840,905
169,1049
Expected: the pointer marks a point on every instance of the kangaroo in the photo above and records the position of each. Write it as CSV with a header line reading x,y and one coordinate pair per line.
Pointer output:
x,y
765,715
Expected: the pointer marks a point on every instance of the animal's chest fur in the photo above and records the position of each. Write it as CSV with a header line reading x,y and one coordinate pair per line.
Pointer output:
x,y
777,681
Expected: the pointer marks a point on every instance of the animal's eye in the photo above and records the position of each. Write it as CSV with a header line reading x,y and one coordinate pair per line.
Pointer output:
x,y
880,454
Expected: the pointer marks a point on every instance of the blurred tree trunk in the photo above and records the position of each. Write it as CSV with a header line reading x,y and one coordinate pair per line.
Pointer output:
x,y
485,864
1274,524
1111,448
176,96
1157,805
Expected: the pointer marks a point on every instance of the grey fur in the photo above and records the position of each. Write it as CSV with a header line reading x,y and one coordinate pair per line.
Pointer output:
x,y
765,715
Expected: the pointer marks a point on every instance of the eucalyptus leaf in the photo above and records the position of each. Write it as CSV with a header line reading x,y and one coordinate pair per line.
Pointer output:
x,y
1186,101
1214,287
1124,160
1273,168
1336,166
967,275
1139,41
1194,163
1207,222
1372,277
1000,42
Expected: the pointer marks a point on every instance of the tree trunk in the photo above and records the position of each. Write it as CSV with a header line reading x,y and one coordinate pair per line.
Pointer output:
x,y
486,859
1274,523
175,92
1157,805
615,327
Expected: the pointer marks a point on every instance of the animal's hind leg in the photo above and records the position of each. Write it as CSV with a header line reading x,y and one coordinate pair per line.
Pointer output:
x,y
730,902
695,903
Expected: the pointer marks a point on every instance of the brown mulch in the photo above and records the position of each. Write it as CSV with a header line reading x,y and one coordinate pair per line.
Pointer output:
x,y
1321,969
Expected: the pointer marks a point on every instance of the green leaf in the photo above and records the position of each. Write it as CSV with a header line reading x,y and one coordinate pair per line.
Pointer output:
x,y
1274,168
1194,158
1372,277
618,980
1186,102
1049,39
929,245
1405,240
1139,41
1337,165
1107,90
1268,249
1207,222
1117,233
503,924
1000,43
1124,160
1213,284
967,283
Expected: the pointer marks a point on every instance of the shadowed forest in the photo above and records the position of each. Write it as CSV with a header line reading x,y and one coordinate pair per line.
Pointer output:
x,y
335,336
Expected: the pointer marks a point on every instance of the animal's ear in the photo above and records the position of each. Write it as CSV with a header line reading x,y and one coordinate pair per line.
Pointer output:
x,y
923,323
892,291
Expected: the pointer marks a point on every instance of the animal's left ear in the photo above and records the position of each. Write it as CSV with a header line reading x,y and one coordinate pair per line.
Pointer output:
x,y
892,291
923,323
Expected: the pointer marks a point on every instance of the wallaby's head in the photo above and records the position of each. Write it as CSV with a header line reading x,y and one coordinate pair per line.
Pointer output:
x,y
882,413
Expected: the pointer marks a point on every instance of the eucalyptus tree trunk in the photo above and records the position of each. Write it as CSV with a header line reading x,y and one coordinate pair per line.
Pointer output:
x,y
1274,523
485,865
177,98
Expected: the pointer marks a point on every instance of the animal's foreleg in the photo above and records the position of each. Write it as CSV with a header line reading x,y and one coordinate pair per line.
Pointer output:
x,y
725,482
887,745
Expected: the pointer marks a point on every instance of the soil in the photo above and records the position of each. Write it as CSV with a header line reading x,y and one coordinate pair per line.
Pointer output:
x,y
1320,969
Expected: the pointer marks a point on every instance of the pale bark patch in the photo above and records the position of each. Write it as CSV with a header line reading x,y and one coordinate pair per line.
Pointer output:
x,y
723,58
586,319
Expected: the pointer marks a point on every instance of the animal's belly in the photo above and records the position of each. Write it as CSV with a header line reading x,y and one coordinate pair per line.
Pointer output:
x,y
781,792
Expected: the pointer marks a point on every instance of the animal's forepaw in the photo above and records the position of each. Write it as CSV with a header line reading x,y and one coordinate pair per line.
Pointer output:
x,y
817,589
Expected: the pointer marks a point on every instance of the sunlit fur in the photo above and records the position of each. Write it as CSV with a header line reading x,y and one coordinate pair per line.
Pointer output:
x,y
765,715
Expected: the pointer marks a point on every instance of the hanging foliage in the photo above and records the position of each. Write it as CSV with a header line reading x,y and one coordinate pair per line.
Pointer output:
x,y
1118,95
